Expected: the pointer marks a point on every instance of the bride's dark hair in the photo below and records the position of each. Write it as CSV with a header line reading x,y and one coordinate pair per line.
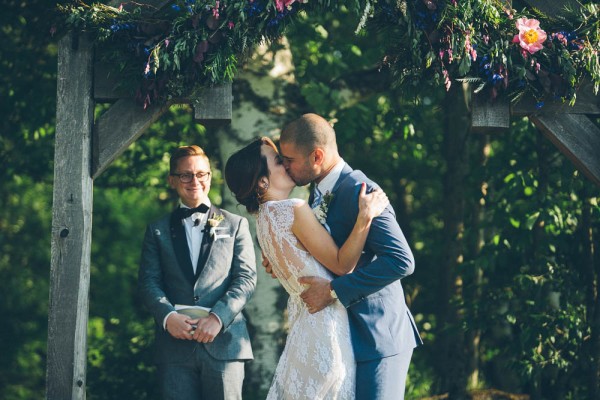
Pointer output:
x,y
243,172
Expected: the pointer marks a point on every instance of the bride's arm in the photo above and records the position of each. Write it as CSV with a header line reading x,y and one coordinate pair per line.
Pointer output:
x,y
321,245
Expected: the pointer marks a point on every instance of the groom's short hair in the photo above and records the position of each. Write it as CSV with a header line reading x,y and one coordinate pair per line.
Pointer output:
x,y
308,132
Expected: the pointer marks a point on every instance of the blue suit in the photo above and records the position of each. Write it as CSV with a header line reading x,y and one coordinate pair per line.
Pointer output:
x,y
381,324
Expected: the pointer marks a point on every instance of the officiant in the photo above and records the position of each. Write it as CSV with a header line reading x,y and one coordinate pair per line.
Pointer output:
x,y
198,255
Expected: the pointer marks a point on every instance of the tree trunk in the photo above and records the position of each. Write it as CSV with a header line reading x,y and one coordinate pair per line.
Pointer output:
x,y
591,274
259,110
451,338
475,274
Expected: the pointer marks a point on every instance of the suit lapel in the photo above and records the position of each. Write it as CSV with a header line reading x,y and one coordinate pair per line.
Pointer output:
x,y
180,246
343,175
206,242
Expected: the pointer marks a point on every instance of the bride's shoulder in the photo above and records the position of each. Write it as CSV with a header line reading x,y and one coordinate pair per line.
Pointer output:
x,y
280,204
297,202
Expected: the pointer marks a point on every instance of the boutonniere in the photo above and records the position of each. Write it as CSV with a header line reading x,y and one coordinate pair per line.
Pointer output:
x,y
322,209
212,223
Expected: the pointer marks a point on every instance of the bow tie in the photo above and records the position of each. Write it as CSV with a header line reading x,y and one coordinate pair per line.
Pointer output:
x,y
182,213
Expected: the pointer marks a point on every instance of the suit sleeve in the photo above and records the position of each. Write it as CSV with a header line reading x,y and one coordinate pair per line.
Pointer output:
x,y
393,259
243,277
150,280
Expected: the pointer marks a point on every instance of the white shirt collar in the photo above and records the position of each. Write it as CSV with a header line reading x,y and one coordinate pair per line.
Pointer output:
x,y
328,182
207,202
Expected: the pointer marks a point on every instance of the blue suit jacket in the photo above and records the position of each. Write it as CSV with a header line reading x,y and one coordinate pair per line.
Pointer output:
x,y
380,322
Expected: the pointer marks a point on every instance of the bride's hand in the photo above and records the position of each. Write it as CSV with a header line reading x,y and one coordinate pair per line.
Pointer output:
x,y
371,205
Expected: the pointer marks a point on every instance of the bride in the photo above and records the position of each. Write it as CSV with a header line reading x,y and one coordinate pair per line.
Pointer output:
x,y
317,361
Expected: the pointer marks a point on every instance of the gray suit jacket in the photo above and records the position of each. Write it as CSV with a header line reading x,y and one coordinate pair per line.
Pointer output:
x,y
225,281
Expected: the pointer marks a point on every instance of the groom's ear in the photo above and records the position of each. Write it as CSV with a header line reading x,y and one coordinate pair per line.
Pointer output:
x,y
319,156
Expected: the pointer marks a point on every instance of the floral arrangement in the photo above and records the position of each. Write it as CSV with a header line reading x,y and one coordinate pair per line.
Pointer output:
x,y
506,49
492,45
178,49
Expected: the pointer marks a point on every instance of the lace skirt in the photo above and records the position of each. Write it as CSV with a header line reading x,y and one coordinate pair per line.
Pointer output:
x,y
317,362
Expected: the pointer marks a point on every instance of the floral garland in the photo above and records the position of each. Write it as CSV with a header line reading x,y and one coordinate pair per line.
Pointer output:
x,y
188,45
493,46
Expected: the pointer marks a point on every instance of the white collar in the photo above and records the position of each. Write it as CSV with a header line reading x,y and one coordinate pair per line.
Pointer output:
x,y
328,182
207,202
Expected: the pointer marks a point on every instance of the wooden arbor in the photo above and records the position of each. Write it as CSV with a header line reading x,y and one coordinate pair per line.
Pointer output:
x,y
84,148
569,128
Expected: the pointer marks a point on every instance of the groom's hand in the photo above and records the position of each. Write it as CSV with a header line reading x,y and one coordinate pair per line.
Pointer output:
x,y
267,265
318,295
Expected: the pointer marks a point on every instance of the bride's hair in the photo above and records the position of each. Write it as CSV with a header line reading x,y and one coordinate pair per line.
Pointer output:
x,y
243,172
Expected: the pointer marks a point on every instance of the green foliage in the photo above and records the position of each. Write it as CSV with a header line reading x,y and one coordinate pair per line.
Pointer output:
x,y
440,42
531,301
175,51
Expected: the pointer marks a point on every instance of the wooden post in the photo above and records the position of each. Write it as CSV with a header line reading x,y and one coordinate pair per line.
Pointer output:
x,y
71,223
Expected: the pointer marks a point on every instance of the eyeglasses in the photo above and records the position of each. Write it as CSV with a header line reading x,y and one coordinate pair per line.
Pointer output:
x,y
188,177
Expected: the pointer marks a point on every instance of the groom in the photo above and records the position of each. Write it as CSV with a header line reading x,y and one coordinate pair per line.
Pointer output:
x,y
382,328
198,255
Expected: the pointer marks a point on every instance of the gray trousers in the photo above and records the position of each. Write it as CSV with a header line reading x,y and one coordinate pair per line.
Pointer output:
x,y
201,377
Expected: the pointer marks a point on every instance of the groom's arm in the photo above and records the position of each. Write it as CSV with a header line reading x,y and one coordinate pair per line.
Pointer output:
x,y
394,260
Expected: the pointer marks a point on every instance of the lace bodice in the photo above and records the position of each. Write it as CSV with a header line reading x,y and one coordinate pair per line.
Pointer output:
x,y
317,362
288,257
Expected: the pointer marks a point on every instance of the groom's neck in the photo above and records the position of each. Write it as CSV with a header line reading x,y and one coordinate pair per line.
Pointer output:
x,y
327,168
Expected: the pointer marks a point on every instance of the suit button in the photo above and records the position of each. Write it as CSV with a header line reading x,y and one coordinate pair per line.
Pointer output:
x,y
196,298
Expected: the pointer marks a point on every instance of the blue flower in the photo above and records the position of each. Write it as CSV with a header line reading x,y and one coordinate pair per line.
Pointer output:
x,y
175,7
539,105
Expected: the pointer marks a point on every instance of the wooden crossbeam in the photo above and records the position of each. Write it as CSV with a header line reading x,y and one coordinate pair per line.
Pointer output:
x,y
577,137
118,127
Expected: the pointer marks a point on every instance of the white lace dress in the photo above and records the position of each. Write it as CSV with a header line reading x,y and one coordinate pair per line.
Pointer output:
x,y
317,361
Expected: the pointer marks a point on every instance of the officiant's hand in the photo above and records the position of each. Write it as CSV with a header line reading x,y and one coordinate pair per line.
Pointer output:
x,y
178,326
318,295
206,328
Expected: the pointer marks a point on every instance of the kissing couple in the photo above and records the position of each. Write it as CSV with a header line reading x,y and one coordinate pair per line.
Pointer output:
x,y
340,257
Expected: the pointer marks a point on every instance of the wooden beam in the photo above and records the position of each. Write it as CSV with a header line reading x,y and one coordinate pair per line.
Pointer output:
x,y
214,106
118,127
71,223
105,85
577,137
488,116
587,102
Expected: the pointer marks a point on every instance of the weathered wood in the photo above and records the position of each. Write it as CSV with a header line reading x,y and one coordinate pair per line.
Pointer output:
x,y
577,137
587,102
71,223
106,85
214,105
489,115
117,128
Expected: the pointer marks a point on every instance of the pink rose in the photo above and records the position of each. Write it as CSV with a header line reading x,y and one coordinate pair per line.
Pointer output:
x,y
282,4
530,37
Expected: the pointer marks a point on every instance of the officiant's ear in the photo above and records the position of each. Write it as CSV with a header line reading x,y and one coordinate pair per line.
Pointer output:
x,y
318,156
